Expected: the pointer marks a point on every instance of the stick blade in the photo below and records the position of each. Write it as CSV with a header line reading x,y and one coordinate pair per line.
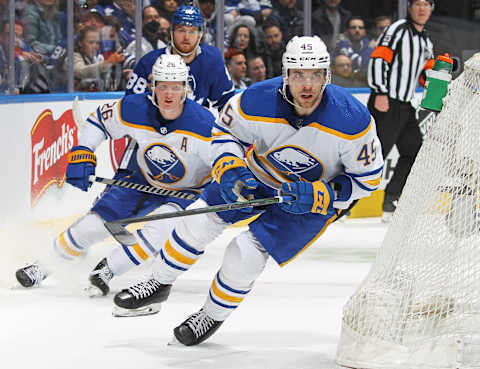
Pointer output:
x,y
120,233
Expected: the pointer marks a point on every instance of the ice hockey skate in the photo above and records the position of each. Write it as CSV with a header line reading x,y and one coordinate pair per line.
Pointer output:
x,y
143,298
196,328
99,278
31,276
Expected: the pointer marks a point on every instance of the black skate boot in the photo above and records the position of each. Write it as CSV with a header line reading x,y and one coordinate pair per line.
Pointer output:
x,y
31,275
196,328
99,278
143,298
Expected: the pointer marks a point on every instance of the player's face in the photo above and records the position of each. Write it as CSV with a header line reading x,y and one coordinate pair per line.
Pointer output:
x,y
186,38
170,95
306,86
420,11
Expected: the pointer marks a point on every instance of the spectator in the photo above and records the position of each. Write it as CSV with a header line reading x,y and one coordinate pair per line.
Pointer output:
x,y
24,58
208,10
290,18
166,8
124,11
90,68
355,44
41,20
237,68
242,39
274,47
152,32
111,44
234,15
256,69
329,20
381,22
343,74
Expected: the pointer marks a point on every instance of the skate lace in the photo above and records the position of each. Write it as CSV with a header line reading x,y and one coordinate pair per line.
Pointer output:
x,y
104,273
200,323
34,273
144,288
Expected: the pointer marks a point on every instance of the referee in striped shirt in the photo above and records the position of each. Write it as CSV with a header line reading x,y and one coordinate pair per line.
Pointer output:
x,y
403,52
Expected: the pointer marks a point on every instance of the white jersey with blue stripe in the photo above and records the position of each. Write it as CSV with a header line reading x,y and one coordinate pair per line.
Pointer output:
x,y
339,137
171,154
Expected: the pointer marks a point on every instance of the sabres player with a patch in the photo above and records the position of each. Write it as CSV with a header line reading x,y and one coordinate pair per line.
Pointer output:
x,y
297,135
209,81
173,135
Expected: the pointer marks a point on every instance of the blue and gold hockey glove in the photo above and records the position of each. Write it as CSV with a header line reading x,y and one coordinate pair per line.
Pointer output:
x,y
311,197
81,165
236,181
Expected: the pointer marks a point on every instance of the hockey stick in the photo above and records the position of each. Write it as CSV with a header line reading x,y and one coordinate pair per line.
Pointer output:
x,y
144,188
118,231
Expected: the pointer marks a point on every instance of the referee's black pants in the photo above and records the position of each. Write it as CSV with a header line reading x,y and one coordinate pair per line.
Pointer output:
x,y
397,126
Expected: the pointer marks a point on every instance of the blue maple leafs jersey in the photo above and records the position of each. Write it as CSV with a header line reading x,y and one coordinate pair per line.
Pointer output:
x,y
209,81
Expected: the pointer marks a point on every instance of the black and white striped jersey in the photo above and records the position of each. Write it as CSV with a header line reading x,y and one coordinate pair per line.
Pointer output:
x,y
398,60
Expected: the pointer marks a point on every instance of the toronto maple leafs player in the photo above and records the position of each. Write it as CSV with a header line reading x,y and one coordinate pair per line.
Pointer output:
x,y
210,83
173,134
298,135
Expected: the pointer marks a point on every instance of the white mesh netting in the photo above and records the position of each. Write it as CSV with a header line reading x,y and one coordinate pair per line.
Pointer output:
x,y
419,307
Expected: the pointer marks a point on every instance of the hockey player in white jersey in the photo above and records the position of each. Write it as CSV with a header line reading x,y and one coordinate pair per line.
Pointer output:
x,y
173,134
298,135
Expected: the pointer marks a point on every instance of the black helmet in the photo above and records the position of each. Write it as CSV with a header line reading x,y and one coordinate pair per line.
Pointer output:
x,y
432,3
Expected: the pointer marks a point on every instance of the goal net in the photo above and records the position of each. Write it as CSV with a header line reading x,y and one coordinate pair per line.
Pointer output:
x,y
419,306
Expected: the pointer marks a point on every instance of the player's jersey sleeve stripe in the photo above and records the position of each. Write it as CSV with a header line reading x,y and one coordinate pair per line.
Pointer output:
x,y
99,125
362,185
341,134
366,174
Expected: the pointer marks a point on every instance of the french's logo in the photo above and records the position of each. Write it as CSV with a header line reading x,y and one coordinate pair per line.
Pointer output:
x,y
51,142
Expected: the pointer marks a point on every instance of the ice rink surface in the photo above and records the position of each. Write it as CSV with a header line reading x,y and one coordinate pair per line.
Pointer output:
x,y
290,320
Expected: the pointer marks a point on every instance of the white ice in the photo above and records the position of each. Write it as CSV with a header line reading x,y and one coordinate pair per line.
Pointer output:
x,y
290,320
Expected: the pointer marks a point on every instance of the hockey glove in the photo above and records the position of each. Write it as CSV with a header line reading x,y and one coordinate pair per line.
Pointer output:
x,y
314,197
236,181
81,165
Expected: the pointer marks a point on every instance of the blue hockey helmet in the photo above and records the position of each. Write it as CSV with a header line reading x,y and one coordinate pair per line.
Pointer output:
x,y
189,16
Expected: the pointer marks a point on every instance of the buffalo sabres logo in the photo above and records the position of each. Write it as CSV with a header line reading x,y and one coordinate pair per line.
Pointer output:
x,y
164,166
296,164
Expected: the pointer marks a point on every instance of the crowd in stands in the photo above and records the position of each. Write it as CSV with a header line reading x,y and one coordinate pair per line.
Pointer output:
x,y
255,34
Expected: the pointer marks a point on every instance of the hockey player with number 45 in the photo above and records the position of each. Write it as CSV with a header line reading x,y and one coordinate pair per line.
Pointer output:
x,y
299,136
173,134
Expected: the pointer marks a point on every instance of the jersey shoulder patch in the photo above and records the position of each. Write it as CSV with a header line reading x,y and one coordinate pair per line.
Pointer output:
x,y
197,119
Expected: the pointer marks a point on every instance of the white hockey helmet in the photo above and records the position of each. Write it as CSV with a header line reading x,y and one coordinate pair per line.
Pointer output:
x,y
305,52
169,68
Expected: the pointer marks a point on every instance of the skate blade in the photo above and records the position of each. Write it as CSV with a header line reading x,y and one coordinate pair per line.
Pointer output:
x,y
120,312
93,291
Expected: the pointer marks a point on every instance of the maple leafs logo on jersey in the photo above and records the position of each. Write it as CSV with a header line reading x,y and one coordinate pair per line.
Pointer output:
x,y
296,164
164,165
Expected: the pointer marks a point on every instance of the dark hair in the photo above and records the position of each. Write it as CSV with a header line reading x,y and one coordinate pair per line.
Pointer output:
x,y
82,32
269,22
251,47
355,17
